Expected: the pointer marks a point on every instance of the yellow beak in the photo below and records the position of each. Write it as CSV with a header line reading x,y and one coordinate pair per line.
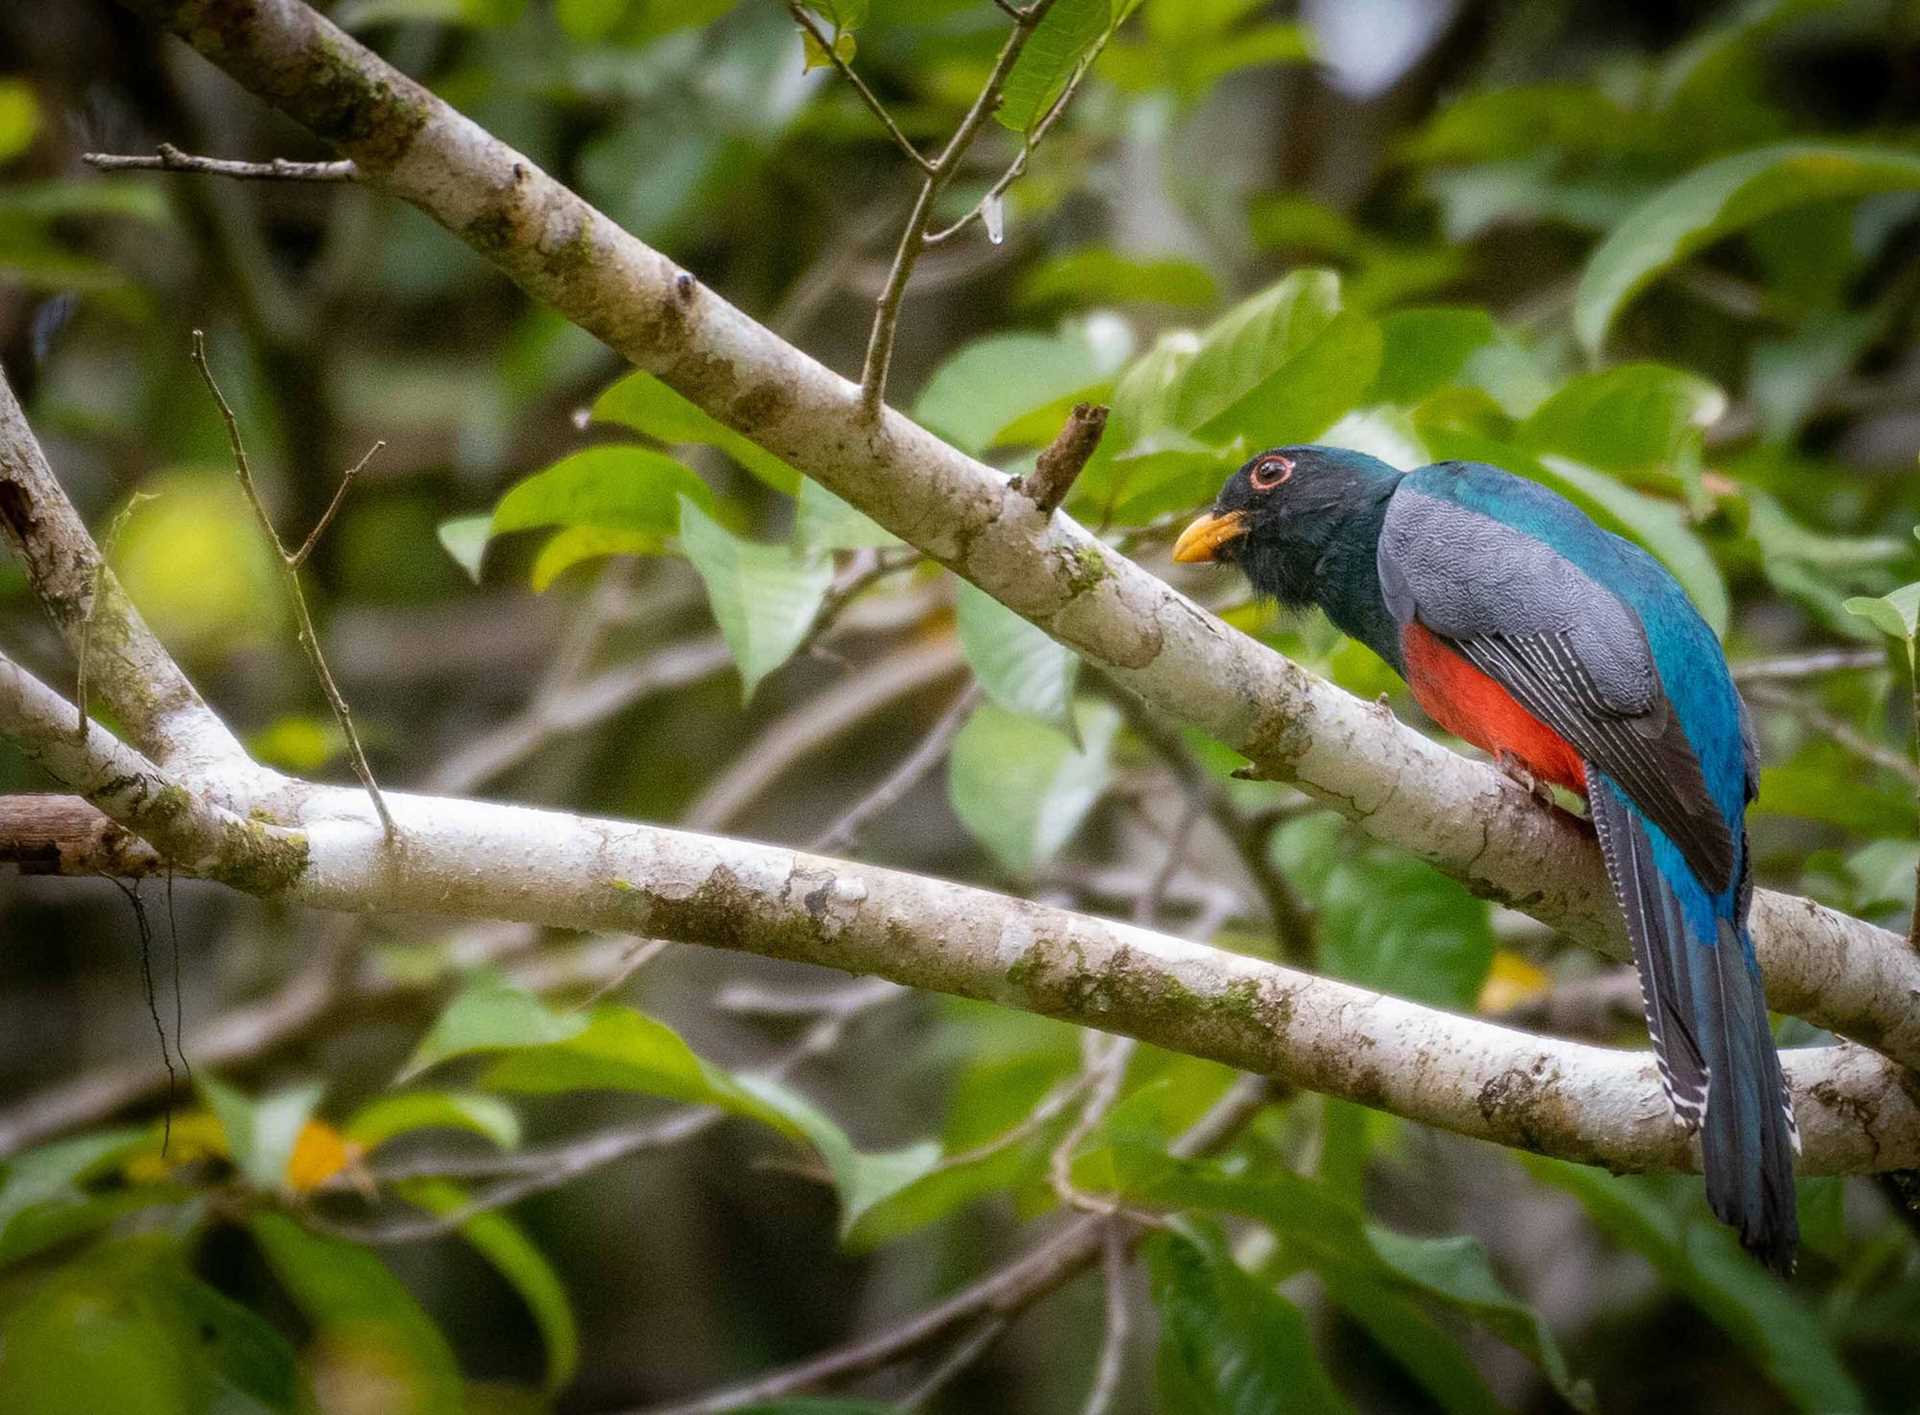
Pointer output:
x,y
1202,541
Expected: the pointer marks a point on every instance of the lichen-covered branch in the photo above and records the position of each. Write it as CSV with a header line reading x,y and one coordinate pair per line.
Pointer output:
x,y
125,665
1402,788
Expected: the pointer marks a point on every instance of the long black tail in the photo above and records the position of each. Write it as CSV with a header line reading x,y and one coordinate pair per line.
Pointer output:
x,y
1707,1013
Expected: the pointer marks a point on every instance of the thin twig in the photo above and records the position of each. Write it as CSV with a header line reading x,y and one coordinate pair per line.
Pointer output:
x,y
299,557
1057,468
867,95
1018,166
1005,1292
1837,728
886,315
168,158
290,572
962,1356
845,832
1115,1257
642,952
1807,665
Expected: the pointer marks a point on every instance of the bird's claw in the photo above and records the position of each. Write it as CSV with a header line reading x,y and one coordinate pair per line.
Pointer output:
x,y
1516,771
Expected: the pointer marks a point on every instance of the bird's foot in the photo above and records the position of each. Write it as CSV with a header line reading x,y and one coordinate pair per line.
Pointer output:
x,y
1516,771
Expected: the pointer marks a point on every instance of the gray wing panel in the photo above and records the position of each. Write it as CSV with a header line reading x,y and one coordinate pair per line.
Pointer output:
x,y
1568,650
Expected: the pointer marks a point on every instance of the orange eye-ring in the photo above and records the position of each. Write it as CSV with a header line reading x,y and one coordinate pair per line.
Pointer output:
x,y
1269,472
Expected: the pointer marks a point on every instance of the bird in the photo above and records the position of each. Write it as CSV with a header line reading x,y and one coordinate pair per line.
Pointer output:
x,y
1572,657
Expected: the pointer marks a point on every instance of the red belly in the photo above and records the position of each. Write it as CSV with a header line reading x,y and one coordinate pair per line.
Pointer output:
x,y
1471,705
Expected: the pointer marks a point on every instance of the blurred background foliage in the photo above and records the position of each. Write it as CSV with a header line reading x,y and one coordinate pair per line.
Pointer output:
x,y
1661,257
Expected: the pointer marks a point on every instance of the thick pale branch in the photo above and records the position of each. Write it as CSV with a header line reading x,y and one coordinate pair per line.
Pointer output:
x,y
127,668
1458,814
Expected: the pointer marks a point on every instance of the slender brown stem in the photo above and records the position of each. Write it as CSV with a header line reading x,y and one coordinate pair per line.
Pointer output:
x,y
168,158
1066,456
299,557
867,95
290,573
846,831
886,316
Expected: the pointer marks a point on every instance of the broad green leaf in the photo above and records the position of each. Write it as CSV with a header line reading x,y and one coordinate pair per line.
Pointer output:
x,y
1245,348
1102,275
380,1120
41,1198
576,545
1629,418
465,539
504,1244
1425,349
1718,199
1022,788
1701,1259
1495,125
261,1132
368,1328
822,521
861,1178
1388,922
1661,526
490,1014
1359,1261
1064,37
645,404
1806,788
128,196
1021,668
127,1328
609,488
1229,1344
1413,1339
620,1049
1896,614
988,384
764,597
19,118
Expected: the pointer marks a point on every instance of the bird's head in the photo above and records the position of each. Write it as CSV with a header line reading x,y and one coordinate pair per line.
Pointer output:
x,y
1279,515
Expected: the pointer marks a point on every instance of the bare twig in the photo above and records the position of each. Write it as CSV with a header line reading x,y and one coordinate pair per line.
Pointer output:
x,y
290,573
1115,1256
1054,473
640,953
1004,1293
957,1360
299,557
1838,729
1806,665
846,832
168,158
867,95
886,316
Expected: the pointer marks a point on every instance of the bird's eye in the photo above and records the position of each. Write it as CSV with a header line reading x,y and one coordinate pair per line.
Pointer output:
x,y
1269,472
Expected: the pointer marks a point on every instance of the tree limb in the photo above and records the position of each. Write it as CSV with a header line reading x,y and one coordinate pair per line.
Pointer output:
x,y
1457,814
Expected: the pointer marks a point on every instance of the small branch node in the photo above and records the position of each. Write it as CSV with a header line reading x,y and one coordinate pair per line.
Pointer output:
x,y
1062,462
299,557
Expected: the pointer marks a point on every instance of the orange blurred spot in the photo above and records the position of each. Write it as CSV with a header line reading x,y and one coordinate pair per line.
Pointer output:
x,y
319,1153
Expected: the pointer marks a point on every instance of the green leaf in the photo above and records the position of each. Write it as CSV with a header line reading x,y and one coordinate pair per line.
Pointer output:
x,y
764,597
576,545
128,1329
41,1198
504,1244
363,1316
490,1014
19,118
1229,1344
1021,668
1715,201
1495,125
611,488
987,385
822,521
1701,1259
1023,789
465,539
1629,418
1426,349
380,1120
1064,36
1096,275
645,404
620,1049
261,1133
1897,614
